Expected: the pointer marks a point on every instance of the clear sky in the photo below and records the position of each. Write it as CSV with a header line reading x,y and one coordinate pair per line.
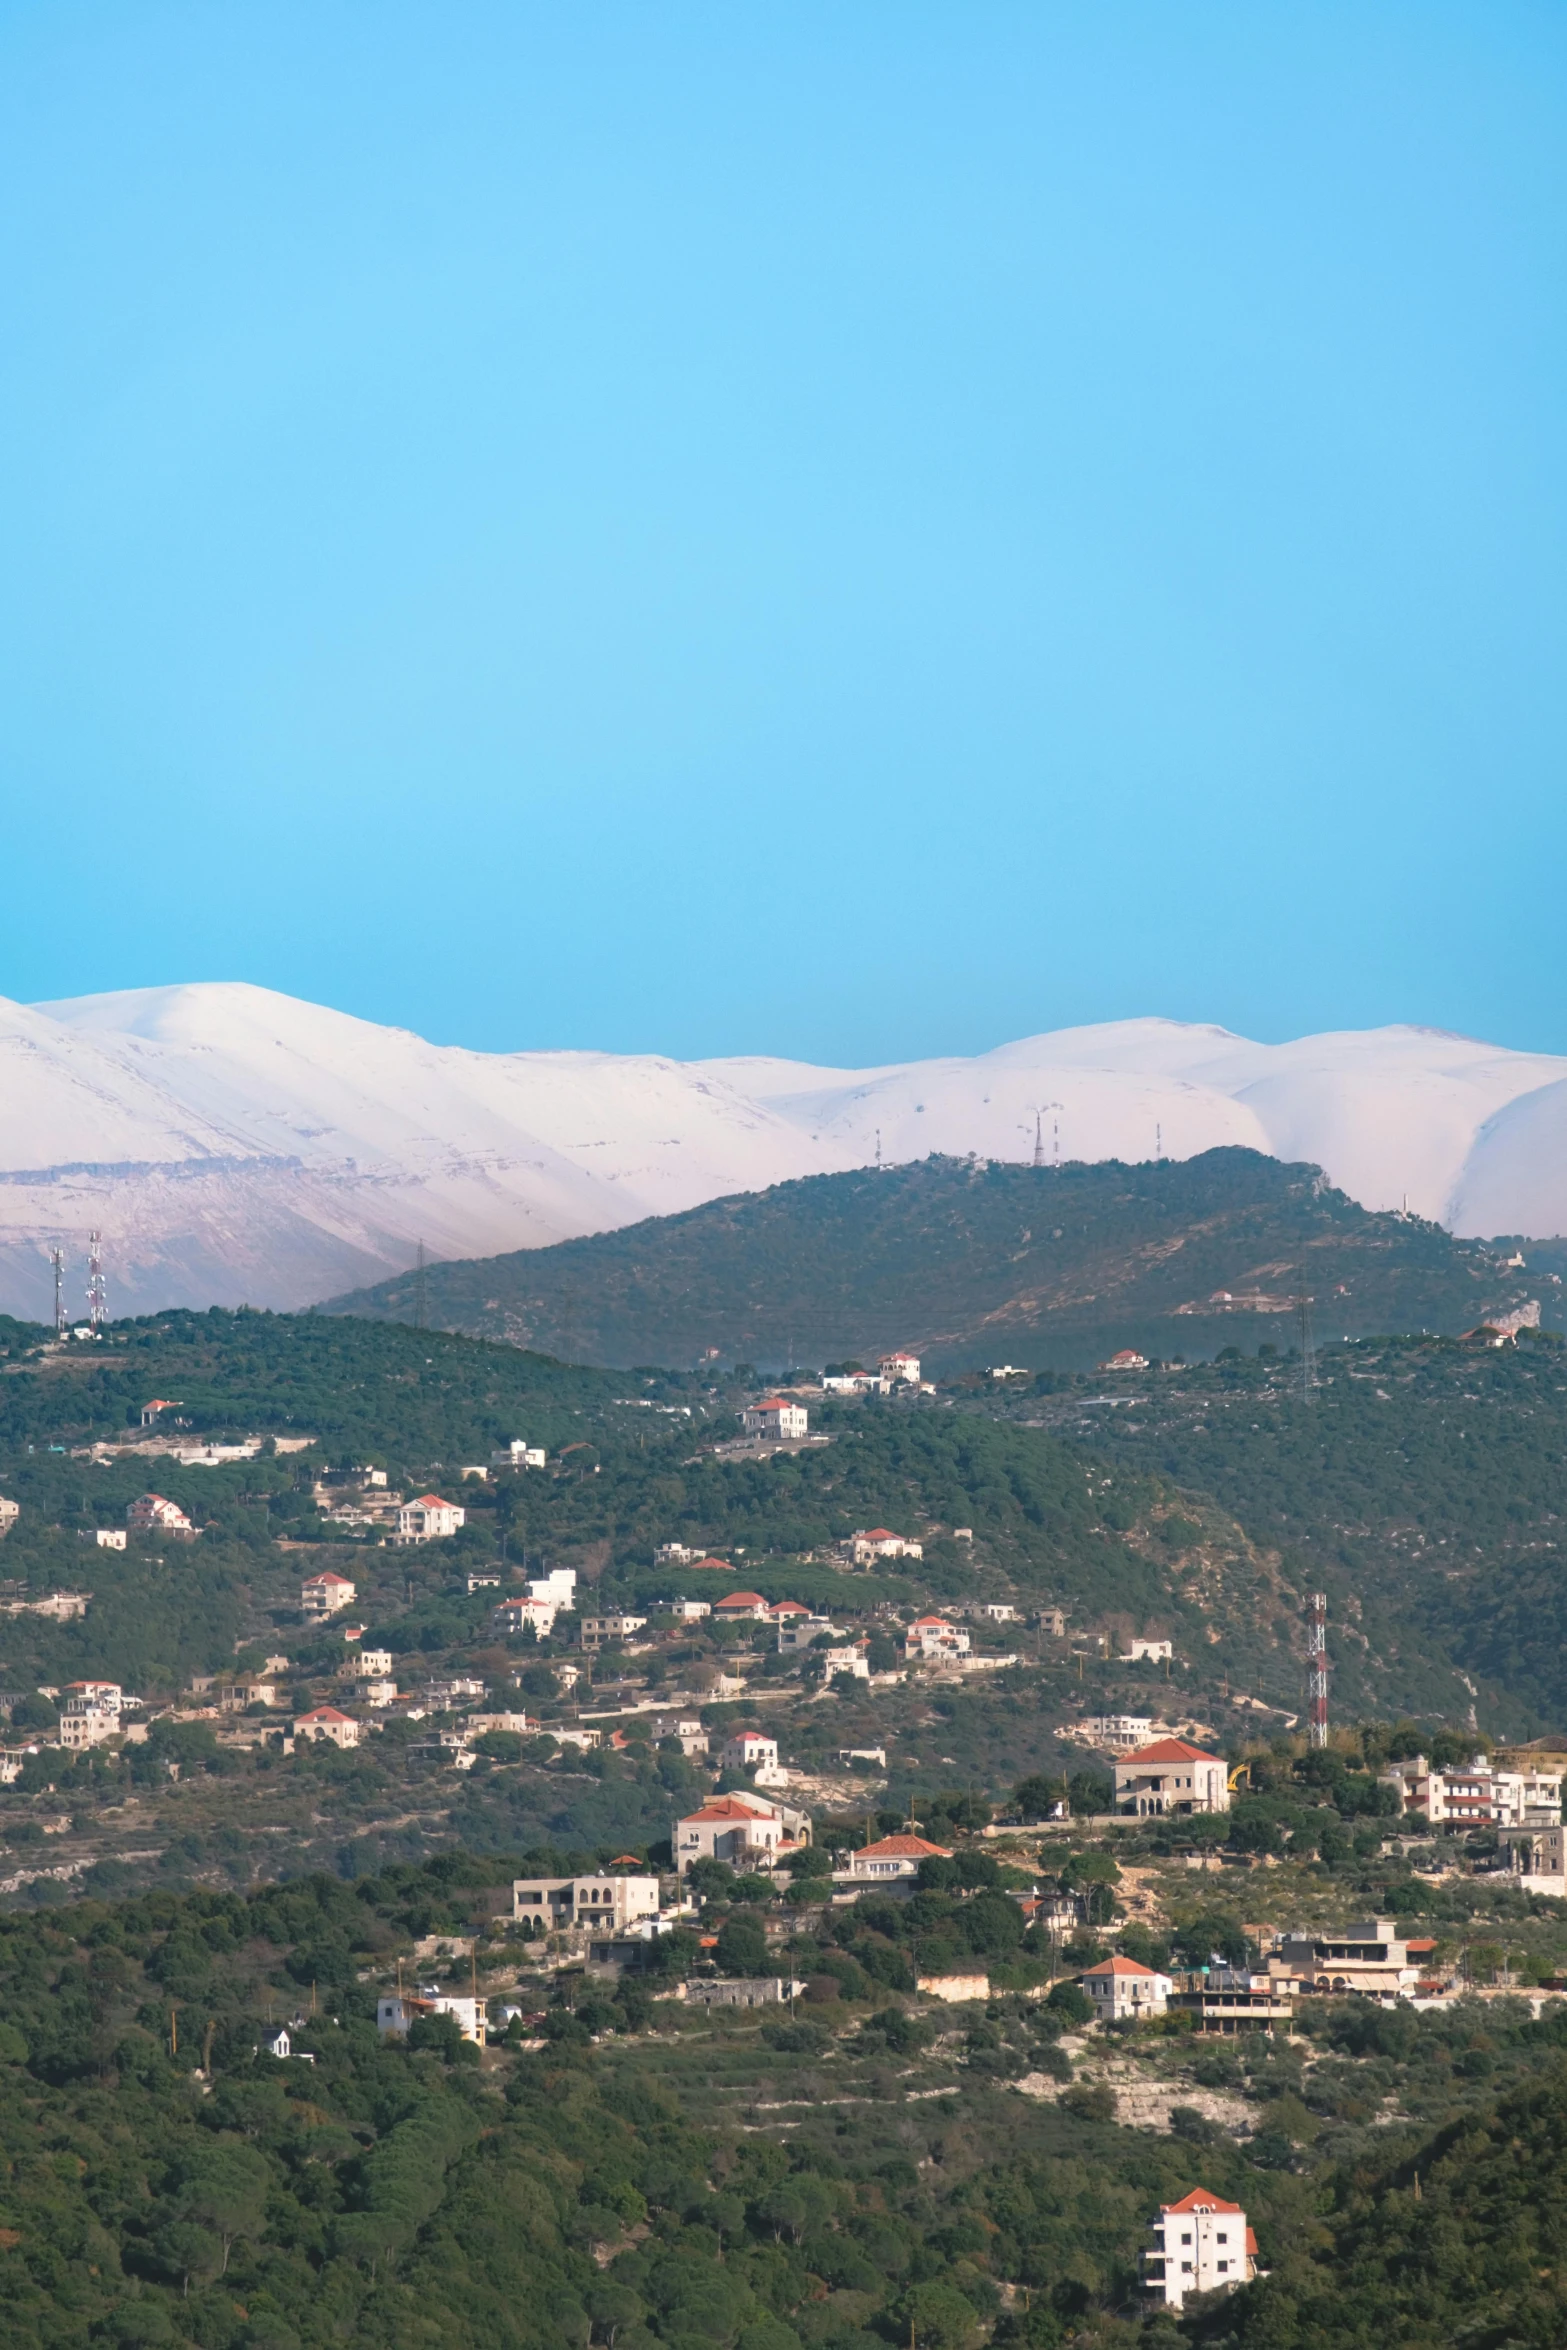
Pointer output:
x,y
853,529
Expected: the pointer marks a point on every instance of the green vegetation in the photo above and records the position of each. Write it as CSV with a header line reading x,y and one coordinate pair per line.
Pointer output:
x,y
970,1264
1422,1488
624,2172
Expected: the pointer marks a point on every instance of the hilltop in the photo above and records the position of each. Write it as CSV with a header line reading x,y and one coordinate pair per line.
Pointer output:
x,y
975,1263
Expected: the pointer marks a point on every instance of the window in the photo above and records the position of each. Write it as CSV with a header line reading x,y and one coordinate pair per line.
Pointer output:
x,y
1186,2239
1223,2267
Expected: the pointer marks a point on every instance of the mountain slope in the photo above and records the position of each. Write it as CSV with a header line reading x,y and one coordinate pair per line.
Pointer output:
x,y
974,1264
238,1146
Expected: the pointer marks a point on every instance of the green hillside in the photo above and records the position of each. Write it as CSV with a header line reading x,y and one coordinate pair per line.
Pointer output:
x,y
972,1264
1424,1487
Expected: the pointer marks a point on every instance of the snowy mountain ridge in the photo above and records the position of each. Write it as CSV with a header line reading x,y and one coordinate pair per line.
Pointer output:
x,y
238,1145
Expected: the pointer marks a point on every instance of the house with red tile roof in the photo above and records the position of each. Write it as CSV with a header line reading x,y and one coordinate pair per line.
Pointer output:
x,y
1170,1777
931,1640
889,1861
749,1831
739,1607
879,1542
1122,1990
1200,2245
323,1595
777,1418
327,1722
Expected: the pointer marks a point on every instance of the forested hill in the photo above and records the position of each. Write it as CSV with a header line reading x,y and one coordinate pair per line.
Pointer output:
x,y
1050,1267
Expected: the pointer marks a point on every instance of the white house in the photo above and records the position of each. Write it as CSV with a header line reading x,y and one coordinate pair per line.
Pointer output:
x,y
107,1537
395,2011
847,1657
90,1714
326,1722
878,1542
277,2041
379,1694
747,1750
513,1615
690,1611
1120,1988
151,1514
776,1418
1170,1776
749,1831
932,1640
891,1860
429,1519
557,1589
323,1595
518,1455
1126,1358
1200,2245
369,1664
1148,1651
1120,1733
900,1370
592,1902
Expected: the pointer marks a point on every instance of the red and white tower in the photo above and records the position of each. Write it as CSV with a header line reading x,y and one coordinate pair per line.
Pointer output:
x,y
1317,1670
97,1295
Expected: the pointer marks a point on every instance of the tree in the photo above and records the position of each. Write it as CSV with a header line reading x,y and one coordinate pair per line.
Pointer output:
x,y
223,2188
742,1947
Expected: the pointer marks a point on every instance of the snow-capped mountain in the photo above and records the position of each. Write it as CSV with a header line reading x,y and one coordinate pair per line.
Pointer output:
x,y
237,1145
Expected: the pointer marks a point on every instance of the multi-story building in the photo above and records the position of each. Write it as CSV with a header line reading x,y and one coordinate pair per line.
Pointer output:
x,y
150,1513
1200,2245
590,1903
1234,1999
1369,1959
1123,1991
518,1455
428,1519
900,1370
749,1750
749,1831
1118,1733
846,1656
801,1630
879,1542
604,1631
741,1607
777,1419
324,1721
369,1664
932,1640
1477,1795
1170,1776
324,1595
90,1714
515,1615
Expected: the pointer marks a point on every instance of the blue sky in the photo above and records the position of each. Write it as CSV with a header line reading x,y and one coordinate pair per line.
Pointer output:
x,y
847,530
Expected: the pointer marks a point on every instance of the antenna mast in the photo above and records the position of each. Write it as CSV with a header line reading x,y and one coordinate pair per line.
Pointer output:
x,y
57,1259
97,1295
1317,1678
1039,1138
1308,1349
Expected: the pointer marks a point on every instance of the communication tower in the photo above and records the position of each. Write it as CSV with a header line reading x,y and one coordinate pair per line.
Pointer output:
x,y
1308,1345
57,1259
97,1295
1039,1138
1317,1677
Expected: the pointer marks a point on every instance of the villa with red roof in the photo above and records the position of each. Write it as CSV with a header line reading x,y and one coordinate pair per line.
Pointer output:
x,y
1200,2245
748,1831
889,1861
323,1595
879,1542
1170,1776
740,1607
327,1722
429,1519
931,1639
1121,1989
778,1418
